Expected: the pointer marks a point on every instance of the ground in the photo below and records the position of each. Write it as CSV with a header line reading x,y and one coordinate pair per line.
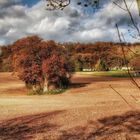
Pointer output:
x,y
92,109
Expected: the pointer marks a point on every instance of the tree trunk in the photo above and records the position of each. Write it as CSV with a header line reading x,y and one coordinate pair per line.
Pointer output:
x,y
45,89
34,88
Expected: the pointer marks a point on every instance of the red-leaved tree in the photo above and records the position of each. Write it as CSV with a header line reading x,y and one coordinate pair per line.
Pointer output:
x,y
40,64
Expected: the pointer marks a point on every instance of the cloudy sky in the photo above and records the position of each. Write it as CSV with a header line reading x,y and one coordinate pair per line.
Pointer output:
x,y
20,18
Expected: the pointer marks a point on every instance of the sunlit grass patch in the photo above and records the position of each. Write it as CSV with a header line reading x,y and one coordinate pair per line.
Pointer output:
x,y
50,92
56,91
118,74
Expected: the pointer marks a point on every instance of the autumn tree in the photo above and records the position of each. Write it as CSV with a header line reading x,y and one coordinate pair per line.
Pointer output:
x,y
135,64
134,57
5,59
56,69
40,63
101,66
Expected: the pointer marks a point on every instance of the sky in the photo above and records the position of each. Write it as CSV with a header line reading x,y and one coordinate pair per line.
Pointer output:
x,y
29,2
21,18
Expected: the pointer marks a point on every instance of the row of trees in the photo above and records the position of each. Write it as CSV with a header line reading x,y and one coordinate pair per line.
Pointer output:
x,y
103,55
106,55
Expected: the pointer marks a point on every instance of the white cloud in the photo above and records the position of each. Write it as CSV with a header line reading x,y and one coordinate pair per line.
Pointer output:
x,y
71,24
5,3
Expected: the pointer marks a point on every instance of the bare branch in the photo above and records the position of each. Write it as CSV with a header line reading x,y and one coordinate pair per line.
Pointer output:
x,y
61,4
127,47
123,51
57,4
119,6
131,17
121,96
131,4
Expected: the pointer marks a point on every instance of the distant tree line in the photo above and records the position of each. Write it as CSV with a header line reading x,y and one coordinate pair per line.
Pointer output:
x,y
103,56
106,55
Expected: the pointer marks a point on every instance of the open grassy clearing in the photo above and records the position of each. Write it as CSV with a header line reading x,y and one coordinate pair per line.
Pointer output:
x,y
85,111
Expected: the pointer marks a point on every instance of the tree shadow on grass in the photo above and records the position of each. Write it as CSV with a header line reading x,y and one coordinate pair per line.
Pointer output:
x,y
123,127
25,128
15,91
78,85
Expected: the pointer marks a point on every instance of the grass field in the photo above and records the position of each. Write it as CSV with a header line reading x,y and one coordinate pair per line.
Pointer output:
x,y
90,109
121,74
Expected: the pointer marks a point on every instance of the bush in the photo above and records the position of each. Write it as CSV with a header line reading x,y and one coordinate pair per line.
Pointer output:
x,y
36,92
56,91
51,92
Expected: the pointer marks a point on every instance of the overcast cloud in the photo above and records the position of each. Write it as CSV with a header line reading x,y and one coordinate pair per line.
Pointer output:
x,y
71,24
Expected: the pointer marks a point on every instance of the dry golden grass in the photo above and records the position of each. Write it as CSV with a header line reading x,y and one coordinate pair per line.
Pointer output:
x,y
90,109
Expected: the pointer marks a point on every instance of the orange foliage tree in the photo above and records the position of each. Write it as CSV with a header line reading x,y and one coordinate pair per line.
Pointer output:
x,y
40,64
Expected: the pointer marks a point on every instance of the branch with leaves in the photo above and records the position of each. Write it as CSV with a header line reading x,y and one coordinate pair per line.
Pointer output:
x,y
61,4
57,4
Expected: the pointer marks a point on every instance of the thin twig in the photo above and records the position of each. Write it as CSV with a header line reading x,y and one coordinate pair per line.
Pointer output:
x,y
121,96
119,6
131,17
128,71
131,4
127,47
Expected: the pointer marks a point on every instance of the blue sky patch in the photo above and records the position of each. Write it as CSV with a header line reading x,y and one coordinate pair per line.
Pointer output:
x,y
29,2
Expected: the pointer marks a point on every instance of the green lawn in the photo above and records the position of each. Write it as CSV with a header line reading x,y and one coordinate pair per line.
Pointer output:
x,y
109,74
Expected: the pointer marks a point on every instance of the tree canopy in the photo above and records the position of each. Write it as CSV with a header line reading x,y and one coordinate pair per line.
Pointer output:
x,y
40,63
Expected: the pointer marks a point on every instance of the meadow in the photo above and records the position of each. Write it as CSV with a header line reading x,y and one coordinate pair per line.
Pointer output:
x,y
90,109
115,73
69,70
